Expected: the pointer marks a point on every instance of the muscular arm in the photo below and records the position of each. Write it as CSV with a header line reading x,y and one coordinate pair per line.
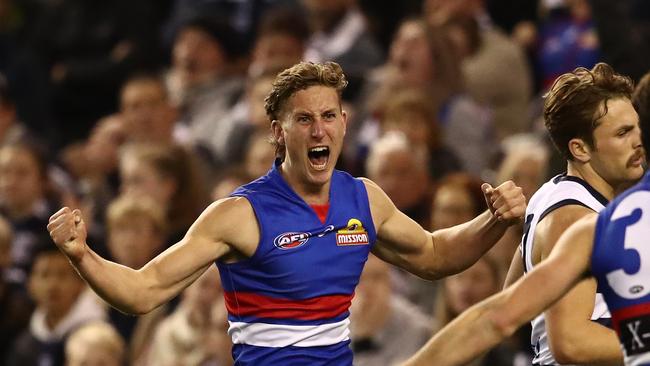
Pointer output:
x,y
572,336
489,322
406,244
223,227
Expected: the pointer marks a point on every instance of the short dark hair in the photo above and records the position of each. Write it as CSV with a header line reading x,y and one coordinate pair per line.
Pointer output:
x,y
572,107
300,77
641,102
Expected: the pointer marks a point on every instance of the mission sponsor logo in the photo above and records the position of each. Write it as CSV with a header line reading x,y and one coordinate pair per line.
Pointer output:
x,y
291,240
353,234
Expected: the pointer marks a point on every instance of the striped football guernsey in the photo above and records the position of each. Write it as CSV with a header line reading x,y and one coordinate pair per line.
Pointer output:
x,y
288,304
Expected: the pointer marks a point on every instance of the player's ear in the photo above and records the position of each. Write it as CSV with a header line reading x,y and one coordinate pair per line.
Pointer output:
x,y
278,132
580,150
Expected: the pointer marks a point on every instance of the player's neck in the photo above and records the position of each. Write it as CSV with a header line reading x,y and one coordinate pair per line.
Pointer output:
x,y
589,175
311,193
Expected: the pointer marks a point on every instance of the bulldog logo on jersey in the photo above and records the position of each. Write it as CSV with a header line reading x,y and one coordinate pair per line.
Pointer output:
x,y
353,234
290,240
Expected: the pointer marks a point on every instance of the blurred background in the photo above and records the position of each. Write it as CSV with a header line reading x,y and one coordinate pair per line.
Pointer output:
x,y
103,102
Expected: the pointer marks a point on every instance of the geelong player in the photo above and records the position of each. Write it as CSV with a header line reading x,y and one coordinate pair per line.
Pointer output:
x,y
591,120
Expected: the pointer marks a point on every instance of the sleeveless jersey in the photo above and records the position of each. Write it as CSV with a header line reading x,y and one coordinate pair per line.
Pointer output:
x,y
288,303
560,191
620,262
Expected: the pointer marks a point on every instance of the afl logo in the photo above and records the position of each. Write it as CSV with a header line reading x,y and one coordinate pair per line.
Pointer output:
x,y
290,240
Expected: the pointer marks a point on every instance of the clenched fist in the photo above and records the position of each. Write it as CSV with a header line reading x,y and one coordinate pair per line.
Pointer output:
x,y
68,231
506,202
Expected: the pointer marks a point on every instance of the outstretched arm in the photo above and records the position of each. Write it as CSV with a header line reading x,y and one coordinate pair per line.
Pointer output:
x,y
489,322
140,291
572,336
404,243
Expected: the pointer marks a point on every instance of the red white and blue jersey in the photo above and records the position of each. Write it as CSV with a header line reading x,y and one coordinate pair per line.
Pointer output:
x,y
288,303
621,263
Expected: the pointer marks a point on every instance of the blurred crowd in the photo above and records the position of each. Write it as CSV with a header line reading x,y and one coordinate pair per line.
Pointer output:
x,y
141,113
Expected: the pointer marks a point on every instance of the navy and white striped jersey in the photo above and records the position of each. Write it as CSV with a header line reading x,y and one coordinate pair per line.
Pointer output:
x,y
562,190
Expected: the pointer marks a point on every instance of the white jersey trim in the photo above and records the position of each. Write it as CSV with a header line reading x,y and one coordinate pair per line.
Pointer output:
x,y
548,195
281,335
637,360
556,193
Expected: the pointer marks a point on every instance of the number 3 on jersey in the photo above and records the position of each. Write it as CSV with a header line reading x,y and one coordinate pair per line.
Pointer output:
x,y
634,285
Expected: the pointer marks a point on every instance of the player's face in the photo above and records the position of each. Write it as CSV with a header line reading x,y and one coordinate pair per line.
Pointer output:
x,y
618,156
312,129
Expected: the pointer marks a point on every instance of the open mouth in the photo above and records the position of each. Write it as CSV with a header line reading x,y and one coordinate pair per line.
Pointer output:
x,y
637,159
318,157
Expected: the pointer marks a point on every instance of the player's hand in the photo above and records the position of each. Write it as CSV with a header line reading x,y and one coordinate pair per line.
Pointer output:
x,y
506,202
68,231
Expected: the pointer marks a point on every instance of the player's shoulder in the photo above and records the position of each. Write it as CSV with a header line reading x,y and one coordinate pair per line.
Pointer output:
x,y
562,201
230,208
565,185
566,215
557,222
381,205
230,219
368,182
583,229
586,222
375,193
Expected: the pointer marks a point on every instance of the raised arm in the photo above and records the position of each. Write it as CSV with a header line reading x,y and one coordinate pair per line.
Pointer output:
x,y
224,227
489,322
401,241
